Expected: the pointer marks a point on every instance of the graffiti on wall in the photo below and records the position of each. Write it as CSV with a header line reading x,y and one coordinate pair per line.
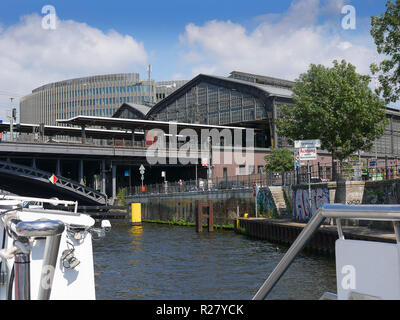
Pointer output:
x,y
301,206
265,203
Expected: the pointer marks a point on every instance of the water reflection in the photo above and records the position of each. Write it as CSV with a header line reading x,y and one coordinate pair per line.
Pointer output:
x,y
136,233
168,262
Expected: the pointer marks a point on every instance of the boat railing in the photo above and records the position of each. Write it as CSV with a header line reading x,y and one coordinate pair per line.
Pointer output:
x,y
52,201
332,211
22,231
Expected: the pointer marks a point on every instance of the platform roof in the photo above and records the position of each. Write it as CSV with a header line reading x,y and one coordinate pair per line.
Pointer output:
x,y
139,124
69,131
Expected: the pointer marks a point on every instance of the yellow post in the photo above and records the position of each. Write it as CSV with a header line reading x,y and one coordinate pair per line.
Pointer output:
x,y
136,213
246,215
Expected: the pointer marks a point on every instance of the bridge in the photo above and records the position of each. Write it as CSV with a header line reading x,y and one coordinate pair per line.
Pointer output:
x,y
97,163
24,180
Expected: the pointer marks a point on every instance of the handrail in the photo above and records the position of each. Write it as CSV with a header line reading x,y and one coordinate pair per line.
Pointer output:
x,y
38,228
52,230
44,200
336,211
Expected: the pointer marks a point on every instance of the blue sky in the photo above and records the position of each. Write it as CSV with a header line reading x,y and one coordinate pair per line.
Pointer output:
x,y
178,38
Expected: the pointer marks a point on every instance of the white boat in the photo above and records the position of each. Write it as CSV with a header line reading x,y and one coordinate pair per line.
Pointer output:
x,y
46,253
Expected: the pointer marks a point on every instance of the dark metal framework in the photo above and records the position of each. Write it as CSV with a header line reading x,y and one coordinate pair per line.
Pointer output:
x,y
221,101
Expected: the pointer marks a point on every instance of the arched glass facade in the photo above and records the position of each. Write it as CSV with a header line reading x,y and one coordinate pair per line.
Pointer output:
x,y
207,103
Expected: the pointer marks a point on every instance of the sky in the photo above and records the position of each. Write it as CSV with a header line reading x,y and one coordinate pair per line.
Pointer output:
x,y
179,38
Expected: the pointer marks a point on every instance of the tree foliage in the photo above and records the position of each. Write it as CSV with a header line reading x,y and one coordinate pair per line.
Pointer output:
x,y
279,160
336,106
385,30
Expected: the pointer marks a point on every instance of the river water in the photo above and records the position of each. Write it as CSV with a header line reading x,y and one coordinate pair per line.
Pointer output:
x,y
157,261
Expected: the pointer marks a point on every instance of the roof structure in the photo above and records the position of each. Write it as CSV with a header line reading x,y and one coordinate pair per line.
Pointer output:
x,y
68,131
261,91
138,124
138,109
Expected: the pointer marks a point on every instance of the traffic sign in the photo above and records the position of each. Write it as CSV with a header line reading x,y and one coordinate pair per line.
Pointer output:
x,y
307,144
53,179
308,154
141,169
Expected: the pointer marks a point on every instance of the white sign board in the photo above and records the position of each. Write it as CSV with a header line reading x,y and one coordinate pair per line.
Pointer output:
x,y
307,144
308,154
369,268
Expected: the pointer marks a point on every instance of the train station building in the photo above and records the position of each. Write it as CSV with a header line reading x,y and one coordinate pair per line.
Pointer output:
x,y
241,100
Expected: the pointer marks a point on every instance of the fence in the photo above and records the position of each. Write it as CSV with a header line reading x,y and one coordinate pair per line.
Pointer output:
x,y
219,183
316,174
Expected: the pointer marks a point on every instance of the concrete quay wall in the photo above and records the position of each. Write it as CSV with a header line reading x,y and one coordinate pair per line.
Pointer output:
x,y
322,241
182,206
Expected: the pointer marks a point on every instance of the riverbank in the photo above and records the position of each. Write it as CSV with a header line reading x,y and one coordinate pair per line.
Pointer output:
x,y
184,223
285,231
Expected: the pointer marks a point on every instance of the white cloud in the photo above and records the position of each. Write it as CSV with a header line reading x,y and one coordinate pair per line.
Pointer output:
x,y
281,45
31,56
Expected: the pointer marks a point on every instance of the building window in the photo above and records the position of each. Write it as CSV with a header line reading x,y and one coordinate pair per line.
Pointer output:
x,y
260,169
251,169
242,170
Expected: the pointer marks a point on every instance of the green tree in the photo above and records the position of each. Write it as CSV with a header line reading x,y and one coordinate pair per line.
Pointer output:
x,y
280,160
385,30
336,106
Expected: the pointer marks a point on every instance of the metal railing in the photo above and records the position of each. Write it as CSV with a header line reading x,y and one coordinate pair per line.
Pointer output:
x,y
317,174
333,211
219,183
21,232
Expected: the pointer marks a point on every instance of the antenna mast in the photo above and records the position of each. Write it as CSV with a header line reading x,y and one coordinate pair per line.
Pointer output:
x,y
150,87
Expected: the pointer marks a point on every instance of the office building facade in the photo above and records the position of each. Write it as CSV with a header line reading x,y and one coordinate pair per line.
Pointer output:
x,y
98,95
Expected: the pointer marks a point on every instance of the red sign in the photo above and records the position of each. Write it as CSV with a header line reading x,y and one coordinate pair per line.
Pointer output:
x,y
307,154
53,179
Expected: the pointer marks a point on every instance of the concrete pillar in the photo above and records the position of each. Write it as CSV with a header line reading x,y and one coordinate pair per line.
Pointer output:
x,y
58,168
81,181
114,181
83,134
103,176
133,137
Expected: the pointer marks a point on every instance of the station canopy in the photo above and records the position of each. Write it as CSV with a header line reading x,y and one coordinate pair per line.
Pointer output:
x,y
67,131
139,124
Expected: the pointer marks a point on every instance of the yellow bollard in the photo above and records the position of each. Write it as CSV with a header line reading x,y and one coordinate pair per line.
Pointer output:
x,y
136,213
